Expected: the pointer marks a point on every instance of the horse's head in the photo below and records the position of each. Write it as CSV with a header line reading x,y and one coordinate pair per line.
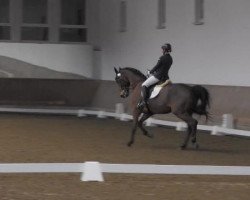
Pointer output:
x,y
123,82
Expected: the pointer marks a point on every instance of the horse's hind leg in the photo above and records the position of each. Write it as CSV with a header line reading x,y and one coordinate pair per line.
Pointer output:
x,y
140,124
192,126
193,131
194,135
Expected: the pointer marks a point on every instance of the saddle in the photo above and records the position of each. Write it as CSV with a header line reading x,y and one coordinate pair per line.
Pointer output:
x,y
154,90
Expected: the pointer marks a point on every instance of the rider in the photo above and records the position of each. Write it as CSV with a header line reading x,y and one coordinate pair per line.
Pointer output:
x,y
158,73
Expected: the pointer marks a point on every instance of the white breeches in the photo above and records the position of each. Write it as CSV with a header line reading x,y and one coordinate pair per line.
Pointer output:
x,y
150,81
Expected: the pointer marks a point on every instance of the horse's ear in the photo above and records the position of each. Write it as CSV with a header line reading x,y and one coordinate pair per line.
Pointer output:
x,y
116,71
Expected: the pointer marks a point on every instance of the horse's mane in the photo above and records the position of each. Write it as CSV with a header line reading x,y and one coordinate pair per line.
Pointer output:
x,y
136,71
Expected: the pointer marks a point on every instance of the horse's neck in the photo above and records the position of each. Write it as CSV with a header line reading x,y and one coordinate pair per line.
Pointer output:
x,y
135,81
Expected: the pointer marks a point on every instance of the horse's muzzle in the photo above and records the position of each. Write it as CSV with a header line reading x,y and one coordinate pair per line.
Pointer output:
x,y
124,93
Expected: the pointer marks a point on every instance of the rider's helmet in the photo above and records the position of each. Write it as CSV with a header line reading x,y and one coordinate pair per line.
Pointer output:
x,y
166,47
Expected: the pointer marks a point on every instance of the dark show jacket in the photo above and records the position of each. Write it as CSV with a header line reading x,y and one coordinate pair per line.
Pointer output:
x,y
160,70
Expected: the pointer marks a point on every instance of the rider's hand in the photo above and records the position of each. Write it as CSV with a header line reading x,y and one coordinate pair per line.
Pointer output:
x,y
148,73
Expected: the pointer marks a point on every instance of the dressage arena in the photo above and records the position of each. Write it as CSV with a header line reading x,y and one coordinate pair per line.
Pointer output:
x,y
69,139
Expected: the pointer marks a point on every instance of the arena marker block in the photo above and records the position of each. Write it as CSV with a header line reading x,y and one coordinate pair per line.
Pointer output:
x,y
124,117
92,172
227,121
81,113
216,132
119,109
149,122
101,114
181,126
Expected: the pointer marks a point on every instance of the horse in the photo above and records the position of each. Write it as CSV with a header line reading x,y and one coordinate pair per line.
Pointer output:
x,y
180,99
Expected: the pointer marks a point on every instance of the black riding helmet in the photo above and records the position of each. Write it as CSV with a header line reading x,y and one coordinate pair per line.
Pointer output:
x,y
167,47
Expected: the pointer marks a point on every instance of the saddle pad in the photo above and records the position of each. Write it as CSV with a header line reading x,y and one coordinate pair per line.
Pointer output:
x,y
158,88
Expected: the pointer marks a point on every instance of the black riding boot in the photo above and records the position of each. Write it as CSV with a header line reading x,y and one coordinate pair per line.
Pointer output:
x,y
144,96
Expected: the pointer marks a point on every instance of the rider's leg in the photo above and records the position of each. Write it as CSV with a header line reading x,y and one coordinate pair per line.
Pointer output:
x,y
144,93
144,90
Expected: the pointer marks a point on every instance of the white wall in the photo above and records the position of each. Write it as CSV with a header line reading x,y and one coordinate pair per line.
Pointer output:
x,y
215,53
94,35
73,58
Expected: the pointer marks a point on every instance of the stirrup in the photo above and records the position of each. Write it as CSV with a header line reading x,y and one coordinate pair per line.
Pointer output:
x,y
141,105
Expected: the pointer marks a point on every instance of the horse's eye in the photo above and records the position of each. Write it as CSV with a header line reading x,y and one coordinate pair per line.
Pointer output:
x,y
117,79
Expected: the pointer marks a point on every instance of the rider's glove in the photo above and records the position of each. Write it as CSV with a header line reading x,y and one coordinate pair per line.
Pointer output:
x,y
148,73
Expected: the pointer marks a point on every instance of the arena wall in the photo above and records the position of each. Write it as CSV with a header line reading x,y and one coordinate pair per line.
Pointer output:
x,y
104,95
69,58
214,53
47,92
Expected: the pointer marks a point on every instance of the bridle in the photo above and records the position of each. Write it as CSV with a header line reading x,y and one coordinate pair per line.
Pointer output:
x,y
124,85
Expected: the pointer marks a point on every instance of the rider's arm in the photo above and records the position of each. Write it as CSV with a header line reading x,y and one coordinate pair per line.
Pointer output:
x,y
156,66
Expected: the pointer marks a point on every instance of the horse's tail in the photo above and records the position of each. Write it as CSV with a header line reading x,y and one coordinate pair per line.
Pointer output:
x,y
203,101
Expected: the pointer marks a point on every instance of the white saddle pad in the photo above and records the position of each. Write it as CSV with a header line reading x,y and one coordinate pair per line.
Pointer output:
x,y
157,89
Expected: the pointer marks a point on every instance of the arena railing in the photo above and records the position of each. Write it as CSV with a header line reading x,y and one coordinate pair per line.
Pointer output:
x,y
93,170
118,114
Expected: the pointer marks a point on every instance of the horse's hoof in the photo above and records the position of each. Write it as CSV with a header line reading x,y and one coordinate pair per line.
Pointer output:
x,y
149,135
183,147
195,145
130,144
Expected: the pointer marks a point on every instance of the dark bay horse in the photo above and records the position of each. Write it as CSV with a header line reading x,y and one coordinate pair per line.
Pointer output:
x,y
180,99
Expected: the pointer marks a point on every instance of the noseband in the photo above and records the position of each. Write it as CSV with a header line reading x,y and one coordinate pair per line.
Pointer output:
x,y
124,84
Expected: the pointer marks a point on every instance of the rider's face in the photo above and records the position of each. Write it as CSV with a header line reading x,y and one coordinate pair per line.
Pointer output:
x,y
164,51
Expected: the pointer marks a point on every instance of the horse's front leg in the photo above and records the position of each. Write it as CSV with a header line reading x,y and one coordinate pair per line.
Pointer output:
x,y
132,138
136,115
140,124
